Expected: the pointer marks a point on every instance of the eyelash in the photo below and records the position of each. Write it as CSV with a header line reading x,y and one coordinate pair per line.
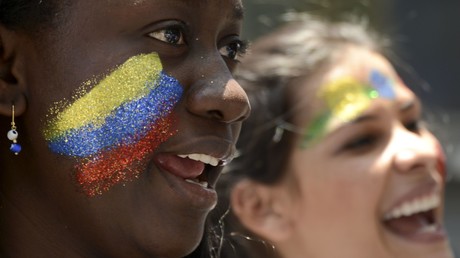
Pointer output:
x,y
233,54
370,139
166,35
233,50
414,126
361,142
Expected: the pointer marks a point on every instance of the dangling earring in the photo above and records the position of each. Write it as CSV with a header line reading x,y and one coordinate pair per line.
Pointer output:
x,y
13,135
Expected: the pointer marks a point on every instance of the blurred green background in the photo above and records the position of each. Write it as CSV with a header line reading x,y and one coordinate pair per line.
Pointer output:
x,y
426,37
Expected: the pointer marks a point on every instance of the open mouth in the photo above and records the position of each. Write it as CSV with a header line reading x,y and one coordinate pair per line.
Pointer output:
x,y
205,164
417,218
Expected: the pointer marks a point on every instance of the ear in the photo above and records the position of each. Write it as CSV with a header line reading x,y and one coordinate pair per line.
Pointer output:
x,y
12,84
262,209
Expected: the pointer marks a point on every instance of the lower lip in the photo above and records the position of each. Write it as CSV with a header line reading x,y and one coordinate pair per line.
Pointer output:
x,y
430,237
193,195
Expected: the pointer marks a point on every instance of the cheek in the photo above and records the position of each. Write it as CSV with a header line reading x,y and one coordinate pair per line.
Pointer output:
x,y
343,201
111,128
331,185
441,161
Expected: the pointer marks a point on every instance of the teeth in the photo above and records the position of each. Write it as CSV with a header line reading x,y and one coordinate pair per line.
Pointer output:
x,y
430,228
203,158
197,182
415,206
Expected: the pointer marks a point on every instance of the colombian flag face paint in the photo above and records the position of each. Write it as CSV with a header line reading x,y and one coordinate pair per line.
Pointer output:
x,y
112,127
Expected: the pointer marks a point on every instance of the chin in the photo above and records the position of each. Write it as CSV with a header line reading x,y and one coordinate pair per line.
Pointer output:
x,y
178,240
424,248
175,248
188,243
442,253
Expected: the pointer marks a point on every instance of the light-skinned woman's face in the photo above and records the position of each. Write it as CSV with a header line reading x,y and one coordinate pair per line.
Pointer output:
x,y
131,113
367,182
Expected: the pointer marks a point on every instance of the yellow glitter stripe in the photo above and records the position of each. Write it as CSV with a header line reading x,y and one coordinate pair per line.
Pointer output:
x,y
126,83
347,98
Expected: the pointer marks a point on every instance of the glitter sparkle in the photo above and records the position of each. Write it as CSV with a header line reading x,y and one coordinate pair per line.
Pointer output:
x,y
346,98
112,128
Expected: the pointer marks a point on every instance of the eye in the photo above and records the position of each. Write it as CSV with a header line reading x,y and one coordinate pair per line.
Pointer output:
x,y
414,126
171,35
361,143
234,49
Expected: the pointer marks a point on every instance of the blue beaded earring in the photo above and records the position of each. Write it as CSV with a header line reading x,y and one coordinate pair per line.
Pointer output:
x,y
13,135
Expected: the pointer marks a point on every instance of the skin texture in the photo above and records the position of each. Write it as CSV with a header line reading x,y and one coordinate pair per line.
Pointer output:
x,y
152,215
333,197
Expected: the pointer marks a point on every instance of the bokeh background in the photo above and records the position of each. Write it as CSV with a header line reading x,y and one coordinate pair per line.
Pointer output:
x,y
426,38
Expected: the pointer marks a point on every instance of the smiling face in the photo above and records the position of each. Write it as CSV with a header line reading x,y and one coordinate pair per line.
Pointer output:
x,y
138,111
367,181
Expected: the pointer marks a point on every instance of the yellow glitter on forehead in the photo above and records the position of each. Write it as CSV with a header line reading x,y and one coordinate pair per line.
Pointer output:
x,y
347,98
130,81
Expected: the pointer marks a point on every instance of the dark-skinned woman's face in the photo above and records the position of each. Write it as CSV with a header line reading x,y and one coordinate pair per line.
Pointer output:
x,y
131,113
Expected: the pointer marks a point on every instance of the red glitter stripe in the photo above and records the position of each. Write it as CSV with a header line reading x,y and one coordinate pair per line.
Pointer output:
x,y
124,163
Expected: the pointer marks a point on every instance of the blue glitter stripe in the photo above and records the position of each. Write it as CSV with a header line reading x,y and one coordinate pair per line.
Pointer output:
x,y
383,84
127,124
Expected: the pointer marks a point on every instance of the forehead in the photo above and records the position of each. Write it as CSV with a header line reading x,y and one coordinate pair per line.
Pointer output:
x,y
124,15
351,76
235,7
358,63
353,62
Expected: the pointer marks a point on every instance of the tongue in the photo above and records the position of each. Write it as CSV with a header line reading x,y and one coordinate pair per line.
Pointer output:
x,y
181,167
410,225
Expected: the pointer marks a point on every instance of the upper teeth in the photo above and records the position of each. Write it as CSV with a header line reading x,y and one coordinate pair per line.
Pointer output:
x,y
409,208
203,158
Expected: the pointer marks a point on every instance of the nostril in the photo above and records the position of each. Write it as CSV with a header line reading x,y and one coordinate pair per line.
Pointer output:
x,y
245,114
225,102
413,160
216,114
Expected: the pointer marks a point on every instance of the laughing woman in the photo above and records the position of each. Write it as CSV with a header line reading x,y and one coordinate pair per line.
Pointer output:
x,y
335,161
120,115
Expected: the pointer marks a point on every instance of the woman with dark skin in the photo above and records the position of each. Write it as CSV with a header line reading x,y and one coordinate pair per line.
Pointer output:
x,y
334,160
126,112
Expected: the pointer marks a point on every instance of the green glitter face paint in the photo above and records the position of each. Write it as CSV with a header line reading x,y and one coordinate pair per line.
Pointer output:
x,y
346,98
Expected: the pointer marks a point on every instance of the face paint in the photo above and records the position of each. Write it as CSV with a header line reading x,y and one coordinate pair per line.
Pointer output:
x,y
111,128
346,98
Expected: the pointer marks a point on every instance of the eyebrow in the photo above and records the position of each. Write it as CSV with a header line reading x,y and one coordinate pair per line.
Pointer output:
x,y
238,9
362,118
408,105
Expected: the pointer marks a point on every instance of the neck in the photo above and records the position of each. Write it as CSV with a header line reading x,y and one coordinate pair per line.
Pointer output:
x,y
294,248
28,229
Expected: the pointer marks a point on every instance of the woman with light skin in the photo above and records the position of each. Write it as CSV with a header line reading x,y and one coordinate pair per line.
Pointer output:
x,y
334,160
118,118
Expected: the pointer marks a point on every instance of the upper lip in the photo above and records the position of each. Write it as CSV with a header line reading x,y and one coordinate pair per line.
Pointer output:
x,y
419,199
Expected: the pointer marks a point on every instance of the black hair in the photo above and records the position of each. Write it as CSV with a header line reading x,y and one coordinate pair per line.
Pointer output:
x,y
29,15
298,51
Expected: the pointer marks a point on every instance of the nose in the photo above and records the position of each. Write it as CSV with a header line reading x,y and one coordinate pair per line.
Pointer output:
x,y
414,151
216,95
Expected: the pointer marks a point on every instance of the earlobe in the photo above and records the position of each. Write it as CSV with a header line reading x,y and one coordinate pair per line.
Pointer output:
x,y
261,210
12,92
